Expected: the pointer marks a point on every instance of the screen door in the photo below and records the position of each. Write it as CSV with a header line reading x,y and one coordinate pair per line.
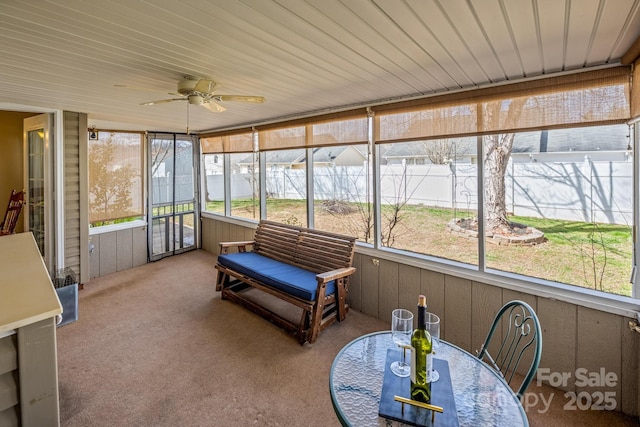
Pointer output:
x,y
173,201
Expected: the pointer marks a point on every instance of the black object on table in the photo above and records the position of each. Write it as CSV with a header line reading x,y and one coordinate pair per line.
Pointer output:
x,y
441,395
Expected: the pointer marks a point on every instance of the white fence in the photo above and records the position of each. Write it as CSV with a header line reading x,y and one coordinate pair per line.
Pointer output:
x,y
586,191
163,189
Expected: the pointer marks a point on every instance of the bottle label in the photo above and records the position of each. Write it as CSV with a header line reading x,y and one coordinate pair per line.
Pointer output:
x,y
429,367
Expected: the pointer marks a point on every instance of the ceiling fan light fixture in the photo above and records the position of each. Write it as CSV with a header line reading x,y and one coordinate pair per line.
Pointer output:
x,y
195,99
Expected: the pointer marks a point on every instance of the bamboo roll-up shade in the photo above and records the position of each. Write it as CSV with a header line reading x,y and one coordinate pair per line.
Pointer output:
x,y
228,143
282,138
115,168
595,97
635,90
340,132
434,121
316,132
594,102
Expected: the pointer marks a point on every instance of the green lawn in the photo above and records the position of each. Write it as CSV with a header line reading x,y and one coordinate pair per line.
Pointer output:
x,y
596,256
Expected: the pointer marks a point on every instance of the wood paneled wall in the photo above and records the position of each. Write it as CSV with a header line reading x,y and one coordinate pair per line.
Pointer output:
x,y
117,250
573,336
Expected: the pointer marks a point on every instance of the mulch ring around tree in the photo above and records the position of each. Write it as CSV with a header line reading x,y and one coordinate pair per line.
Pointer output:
x,y
517,234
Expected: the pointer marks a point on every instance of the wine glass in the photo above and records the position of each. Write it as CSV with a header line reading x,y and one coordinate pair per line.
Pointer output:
x,y
401,329
433,327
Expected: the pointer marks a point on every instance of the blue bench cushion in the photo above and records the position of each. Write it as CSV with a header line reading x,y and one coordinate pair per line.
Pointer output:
x,y
284,277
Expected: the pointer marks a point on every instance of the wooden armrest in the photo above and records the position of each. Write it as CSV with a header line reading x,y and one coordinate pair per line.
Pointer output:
x,y
335,274
241,245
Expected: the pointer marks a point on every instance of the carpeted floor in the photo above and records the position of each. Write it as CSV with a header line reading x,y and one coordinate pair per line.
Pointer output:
x,y
155,346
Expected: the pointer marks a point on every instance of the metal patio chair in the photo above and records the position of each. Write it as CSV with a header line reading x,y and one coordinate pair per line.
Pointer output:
x,y
520,346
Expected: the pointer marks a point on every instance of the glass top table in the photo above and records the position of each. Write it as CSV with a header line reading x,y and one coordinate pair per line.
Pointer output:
x,y
482,397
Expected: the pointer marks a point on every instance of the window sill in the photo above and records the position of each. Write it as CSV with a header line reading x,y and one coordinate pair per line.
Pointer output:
x,y
232,220
116,227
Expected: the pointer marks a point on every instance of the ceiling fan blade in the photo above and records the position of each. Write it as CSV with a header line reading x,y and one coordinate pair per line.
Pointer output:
x,y
239,98
213,106
163,101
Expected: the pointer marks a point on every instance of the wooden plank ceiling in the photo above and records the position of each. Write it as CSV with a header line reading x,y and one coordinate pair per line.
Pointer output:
x,y
303,56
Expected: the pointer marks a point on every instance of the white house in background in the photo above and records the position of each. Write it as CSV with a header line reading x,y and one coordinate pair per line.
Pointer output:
x,y
213,164
352,155
599,143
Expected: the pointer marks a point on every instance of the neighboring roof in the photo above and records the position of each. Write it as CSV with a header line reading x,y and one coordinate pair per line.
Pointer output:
x,y
320,155
285,156
594,138
277,157
463,146
328,154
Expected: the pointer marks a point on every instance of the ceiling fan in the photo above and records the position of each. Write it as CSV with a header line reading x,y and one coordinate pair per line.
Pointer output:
x,y
200,92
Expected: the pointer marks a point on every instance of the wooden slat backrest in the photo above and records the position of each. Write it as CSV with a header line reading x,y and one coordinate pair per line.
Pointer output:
x,y
322,252
16,200
277,241
313,250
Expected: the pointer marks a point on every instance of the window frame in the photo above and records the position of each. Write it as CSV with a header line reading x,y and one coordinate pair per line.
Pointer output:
x,y
618,304
94,230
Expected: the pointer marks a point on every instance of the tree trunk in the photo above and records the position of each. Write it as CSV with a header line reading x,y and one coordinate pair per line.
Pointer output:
x,y
497,152
497,155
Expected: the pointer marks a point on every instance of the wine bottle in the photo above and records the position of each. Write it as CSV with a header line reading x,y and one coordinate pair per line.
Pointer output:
x,y
421,356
